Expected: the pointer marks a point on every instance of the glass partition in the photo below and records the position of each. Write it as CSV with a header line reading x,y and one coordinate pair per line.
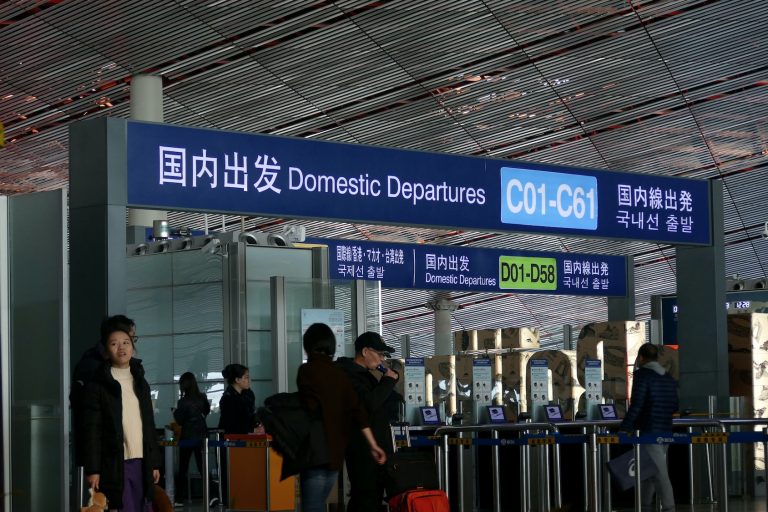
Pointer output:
x,y
177,302
185,308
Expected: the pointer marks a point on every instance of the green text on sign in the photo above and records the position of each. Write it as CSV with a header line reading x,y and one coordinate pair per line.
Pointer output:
x,y
527,273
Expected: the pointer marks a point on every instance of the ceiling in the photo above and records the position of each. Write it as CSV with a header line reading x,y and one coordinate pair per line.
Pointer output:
x,y
675,88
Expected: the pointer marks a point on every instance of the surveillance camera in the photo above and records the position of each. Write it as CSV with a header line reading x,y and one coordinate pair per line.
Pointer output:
x,y
249,239
764,234
212,246
278,240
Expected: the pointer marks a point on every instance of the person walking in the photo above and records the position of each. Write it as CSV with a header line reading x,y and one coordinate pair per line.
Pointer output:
x,y
654,401
122,455
190,413
382,403
325,389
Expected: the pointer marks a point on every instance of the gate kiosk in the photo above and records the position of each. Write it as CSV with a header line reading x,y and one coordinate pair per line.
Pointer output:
x,y
539,389
414,389
593,383
482,389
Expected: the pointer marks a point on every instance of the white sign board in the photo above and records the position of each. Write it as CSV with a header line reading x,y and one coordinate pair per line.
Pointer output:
x,y
333,318
482,381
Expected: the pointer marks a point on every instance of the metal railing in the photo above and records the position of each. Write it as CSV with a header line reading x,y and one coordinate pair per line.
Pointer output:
x,y
596,438
525,495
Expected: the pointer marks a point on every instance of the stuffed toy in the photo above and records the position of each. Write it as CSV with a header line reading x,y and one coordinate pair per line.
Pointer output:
x,y
161,502
96,503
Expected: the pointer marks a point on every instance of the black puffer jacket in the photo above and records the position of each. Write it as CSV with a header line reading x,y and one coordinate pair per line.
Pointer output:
x,y
238,411
104,432
190,413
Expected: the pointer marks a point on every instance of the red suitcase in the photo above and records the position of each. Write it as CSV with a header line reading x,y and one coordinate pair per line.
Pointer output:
x,y
420,501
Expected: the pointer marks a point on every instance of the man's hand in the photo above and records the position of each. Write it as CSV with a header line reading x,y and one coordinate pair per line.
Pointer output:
x,y
155,475
378,455
392,374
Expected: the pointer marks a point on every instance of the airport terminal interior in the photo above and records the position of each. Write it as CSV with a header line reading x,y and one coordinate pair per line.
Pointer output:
x,y
516,194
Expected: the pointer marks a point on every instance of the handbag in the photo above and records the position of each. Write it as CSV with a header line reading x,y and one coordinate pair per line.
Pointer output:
x,y
622,468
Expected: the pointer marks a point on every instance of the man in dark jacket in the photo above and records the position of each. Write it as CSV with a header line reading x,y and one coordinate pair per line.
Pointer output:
x,y
654,401
382,403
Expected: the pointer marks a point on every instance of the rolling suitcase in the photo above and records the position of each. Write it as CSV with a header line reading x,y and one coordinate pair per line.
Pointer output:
x,y
412,482
420,501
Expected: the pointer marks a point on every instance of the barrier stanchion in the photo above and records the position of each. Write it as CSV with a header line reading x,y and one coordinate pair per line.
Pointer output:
x,y
206,478
543,456
267,449
219,469
593,503
525,477
80,486
638,478
446,480
496,476
765,466
710,483
168,459
556,475
460,474
605,476
692,499
585,470
723,507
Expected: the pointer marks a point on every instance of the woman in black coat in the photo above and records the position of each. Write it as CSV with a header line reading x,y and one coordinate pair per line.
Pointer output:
x,y
238,403
122,456
238,411
190,414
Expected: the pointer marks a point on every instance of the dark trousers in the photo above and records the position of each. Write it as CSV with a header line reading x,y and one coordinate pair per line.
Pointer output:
x,y
185,454
366,480
133,487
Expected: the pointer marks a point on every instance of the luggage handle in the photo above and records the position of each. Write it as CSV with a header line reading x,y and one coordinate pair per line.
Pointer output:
x,y
404,428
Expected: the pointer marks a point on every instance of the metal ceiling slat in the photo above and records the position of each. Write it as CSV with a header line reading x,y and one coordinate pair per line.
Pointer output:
x,y
433,76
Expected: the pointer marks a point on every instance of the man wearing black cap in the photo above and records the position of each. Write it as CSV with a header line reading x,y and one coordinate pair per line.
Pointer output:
x,y
382,403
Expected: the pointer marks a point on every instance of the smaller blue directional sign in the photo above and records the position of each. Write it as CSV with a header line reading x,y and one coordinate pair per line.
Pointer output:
x,y
442,267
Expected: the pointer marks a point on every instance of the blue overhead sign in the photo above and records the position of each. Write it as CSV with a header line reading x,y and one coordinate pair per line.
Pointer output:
x,y
183,168
742,301
444,267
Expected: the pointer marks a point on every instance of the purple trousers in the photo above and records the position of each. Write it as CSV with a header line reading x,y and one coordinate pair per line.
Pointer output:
x,y
133,487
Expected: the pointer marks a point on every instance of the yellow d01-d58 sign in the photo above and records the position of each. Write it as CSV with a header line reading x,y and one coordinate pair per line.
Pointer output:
x,y
527,273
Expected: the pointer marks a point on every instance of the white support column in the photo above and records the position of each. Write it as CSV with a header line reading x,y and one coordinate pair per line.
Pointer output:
x,y
443,309
146,105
